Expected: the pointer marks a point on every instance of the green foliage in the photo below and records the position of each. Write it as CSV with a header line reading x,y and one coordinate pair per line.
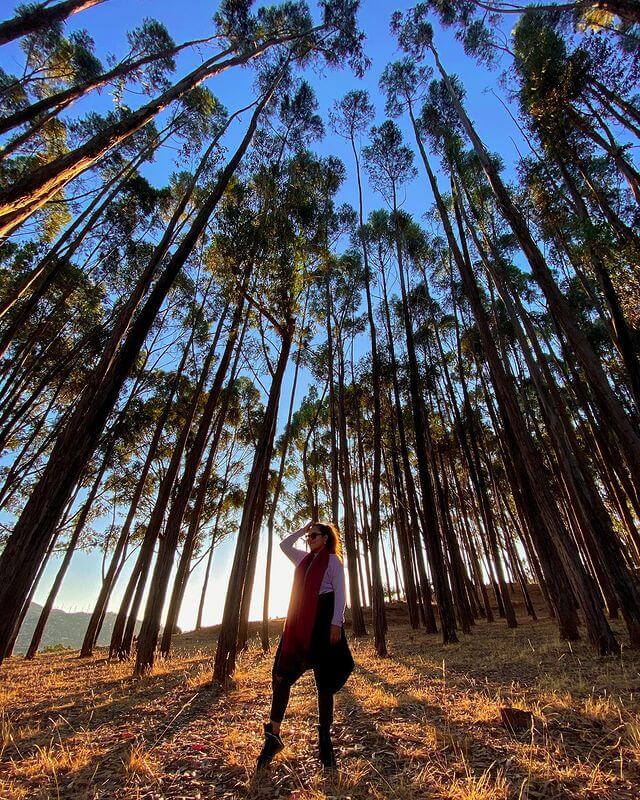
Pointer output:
x,y
151,38
13,92
403,84
388,161
413,30
350,115
59,61
281,241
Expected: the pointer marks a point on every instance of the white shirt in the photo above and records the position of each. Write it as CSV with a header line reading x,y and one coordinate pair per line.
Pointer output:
x,y
332,580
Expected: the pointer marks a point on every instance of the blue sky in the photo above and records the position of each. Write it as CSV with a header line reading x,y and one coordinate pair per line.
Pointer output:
x,y
108,24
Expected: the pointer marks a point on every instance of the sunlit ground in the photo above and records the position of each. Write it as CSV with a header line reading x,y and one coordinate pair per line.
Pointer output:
x,y
424,723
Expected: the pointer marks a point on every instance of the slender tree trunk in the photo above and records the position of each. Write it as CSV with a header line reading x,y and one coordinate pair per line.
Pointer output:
x,y
44,274
188,547
599,91
226,650
386,569
183,574
432,530
30,193
32,533
621,334
71,547
379,620
29,599
473,556
39,16
628,438
398,506
611,148
469,447
148,637
264,632
416,521
335,496
592,517
523,448
91,634
599,632
124,627
458,572
357,617
394,561
45,109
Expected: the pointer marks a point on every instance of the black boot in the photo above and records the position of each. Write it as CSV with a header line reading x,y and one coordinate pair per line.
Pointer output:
x,y
327,756
272,744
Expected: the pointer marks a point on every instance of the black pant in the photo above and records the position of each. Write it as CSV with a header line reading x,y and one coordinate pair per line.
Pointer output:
x,y
282,691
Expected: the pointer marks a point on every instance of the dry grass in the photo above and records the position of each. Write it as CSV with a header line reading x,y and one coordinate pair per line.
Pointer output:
x,y
141,763
424,723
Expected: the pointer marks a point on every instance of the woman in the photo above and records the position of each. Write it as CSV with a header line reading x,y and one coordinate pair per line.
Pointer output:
x,y
313,635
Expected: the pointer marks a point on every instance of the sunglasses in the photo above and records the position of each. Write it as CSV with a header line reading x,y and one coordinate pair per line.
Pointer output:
x,y
311,536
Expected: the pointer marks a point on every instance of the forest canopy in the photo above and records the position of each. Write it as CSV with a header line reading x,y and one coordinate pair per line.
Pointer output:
x,y
214,329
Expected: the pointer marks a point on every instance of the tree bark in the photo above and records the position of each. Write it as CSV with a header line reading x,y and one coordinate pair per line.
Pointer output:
x,y
378,613
100,608
264,631
41,16
32,533
558,305
357,616
226,650
71,547
27,195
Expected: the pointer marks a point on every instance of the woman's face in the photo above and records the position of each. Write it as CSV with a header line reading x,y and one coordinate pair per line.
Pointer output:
x,y
316,540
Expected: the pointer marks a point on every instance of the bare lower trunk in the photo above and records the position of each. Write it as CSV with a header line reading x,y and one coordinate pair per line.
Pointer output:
x,y
264,631
226,650
609,404
150,629
71,547
432,528
349,531
25,548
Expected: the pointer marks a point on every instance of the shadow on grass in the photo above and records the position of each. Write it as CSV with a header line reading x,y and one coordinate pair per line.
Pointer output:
x,y
400,729
583,749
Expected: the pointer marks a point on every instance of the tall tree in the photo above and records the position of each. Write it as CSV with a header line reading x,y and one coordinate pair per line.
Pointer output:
x,y
390,164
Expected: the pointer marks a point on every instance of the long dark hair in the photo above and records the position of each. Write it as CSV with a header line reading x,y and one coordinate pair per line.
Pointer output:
x,y
334,544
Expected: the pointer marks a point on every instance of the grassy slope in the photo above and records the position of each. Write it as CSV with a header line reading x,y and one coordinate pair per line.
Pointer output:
x,y
424,723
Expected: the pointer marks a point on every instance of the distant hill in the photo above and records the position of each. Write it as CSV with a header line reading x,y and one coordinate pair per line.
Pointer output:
x,y
63,628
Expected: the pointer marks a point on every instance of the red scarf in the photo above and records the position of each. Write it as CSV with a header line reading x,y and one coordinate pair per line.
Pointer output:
x,y
303,604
